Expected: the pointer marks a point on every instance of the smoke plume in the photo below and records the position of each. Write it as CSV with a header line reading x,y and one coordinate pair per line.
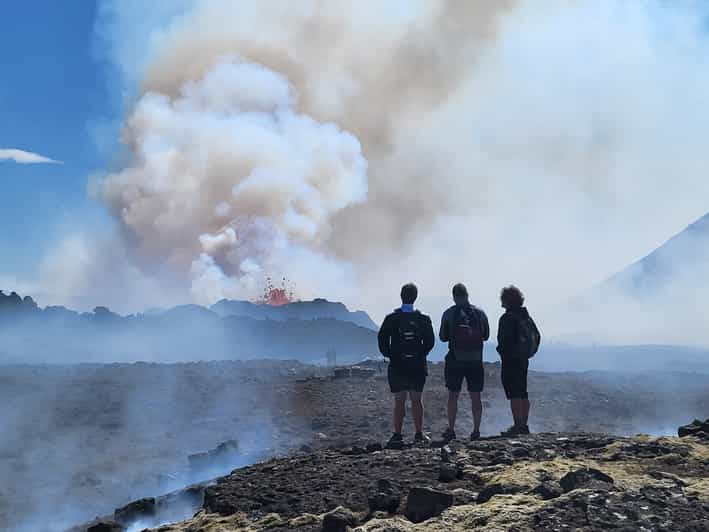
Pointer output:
x,y
355,146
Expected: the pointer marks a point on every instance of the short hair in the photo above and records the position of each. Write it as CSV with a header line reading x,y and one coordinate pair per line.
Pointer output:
x,y
409,293
459,290
511,296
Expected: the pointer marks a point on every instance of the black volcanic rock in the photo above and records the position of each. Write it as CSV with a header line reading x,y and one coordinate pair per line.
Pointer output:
x,y
697,428
548,490
423,503
383,496
339,520
136,510
585,478
106,527
583,498
223,453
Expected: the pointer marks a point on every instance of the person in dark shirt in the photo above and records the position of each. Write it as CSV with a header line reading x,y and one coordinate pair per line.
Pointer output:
x,y
518,339
406,338
465,327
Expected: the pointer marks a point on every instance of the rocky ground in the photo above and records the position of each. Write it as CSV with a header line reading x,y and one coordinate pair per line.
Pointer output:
x,y
80,441
543,482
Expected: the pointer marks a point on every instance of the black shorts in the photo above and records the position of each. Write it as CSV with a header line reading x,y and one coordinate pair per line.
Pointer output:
x,y
402,379
472,372
514,377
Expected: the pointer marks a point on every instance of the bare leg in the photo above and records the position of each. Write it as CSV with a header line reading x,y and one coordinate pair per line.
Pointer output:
x,y
516,411
525,411
452,408
399,411
477,406
417,409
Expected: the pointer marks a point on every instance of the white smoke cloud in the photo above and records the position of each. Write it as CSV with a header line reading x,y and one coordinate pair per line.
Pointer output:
x,y
228,177
24,157
544,144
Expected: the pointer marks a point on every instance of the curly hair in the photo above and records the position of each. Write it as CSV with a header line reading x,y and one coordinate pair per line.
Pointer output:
x,y
511,296
409,293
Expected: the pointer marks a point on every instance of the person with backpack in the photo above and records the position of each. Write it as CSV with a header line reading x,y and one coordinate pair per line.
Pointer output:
x,y
518,340
406,338
465,328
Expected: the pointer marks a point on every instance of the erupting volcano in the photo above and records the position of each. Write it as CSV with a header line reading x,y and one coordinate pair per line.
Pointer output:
x,y
277,296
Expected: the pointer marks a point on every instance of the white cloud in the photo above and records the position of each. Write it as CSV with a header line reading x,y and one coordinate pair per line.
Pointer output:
x,y
24,157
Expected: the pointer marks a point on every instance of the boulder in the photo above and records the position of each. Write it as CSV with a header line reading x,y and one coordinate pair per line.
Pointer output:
x,y
497,489
462,496
450,472
446,453
383,496
697,428
424,503
585,478
548,490
338,520
136,510
220,455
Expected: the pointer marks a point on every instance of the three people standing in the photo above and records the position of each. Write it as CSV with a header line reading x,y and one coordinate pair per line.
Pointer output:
x,y
406,338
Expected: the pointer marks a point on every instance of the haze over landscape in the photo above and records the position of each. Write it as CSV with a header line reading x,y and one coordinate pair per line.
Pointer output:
x,y
549,146
209,206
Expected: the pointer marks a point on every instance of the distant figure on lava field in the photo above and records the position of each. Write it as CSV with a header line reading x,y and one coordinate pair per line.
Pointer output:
x,y
465,327
518,340
406,338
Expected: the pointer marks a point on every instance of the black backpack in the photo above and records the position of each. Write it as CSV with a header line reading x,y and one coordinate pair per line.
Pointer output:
x,y
528,337
410,335
466,334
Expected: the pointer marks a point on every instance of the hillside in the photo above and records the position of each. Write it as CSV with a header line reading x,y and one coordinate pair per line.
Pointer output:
x,y
328,453
545,482
652,301
298,310
686,253
188,332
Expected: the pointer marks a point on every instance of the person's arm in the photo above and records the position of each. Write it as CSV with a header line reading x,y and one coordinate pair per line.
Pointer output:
x,y
539,334
384,338
429,338
484,326
505,335
444,333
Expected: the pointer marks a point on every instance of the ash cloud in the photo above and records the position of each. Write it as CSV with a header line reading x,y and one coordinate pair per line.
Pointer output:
x,y
352,146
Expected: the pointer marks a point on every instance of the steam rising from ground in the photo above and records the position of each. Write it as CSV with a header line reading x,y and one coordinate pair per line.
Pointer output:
x,y
354,146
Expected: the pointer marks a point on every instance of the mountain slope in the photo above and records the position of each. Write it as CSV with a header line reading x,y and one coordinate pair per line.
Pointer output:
x,y
183,333
299,310
657,300
684,254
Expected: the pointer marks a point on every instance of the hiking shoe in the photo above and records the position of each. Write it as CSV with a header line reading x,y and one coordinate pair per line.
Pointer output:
x,y
511,432
395,442
421,439
475,435
448,435
523,430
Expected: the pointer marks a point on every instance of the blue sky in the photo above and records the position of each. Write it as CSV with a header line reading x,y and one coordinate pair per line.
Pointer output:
x,y
53,97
